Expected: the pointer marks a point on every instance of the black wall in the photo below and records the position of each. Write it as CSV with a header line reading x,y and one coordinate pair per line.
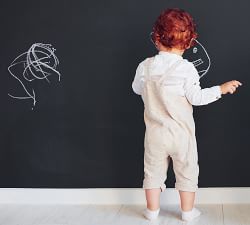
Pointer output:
x,y
87,130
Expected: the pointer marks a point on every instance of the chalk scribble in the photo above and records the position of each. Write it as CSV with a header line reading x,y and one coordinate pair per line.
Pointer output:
x,y
39,62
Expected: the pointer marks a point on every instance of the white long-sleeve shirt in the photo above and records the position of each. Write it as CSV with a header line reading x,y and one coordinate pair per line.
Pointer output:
x,y
184,80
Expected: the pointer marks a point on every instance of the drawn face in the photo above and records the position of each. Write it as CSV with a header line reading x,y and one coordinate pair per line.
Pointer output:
x,y
199,57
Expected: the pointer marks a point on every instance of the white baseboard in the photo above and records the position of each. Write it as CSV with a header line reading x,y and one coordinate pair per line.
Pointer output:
x,y
117,196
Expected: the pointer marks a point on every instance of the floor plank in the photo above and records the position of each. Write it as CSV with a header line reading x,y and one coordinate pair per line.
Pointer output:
x,y
236,214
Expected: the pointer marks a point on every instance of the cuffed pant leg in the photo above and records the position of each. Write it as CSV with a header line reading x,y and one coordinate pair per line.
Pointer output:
x,y
190,187
156,163
186,174
156,158
155,172
151,183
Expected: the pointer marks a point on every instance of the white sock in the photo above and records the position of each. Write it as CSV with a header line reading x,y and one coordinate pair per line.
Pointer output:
x,y
150,215
190,215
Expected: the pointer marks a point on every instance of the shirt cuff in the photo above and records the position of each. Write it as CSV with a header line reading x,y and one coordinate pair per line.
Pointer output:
x,y
217,91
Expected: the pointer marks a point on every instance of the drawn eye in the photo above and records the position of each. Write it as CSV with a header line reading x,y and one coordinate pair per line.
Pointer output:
x,y
195,50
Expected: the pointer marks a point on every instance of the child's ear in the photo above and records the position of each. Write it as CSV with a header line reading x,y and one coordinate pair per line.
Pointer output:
x,y
157,44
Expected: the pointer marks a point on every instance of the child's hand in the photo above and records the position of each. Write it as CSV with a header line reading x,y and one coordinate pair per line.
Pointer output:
x,y
229,86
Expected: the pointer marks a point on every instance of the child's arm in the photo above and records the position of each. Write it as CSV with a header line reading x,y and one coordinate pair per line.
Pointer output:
x,y
193,91
198,96
137,83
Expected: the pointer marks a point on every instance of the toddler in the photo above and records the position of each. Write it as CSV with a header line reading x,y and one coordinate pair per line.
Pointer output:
x,y
169,86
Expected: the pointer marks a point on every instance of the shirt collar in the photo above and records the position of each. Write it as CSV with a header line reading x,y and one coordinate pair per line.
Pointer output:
x,y
170,54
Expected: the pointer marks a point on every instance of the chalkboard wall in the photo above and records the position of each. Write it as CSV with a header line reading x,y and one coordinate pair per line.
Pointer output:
x,y
87,130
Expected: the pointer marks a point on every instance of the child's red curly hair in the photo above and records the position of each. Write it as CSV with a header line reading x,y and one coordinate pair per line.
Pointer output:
x,y
174,28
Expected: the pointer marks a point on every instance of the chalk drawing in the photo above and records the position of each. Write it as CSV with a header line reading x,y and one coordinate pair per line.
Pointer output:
x,y
39,62
199,61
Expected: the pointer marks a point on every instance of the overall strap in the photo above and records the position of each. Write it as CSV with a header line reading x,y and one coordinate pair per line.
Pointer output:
x,y
147,66
168,71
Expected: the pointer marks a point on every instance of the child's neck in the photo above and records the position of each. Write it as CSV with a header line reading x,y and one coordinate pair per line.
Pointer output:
x,y
172,50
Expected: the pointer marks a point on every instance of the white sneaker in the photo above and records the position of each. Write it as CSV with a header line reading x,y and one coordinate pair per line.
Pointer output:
x,y
151,215
190,215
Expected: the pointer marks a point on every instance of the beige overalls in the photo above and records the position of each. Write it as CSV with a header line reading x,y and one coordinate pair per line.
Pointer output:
x,y
170,132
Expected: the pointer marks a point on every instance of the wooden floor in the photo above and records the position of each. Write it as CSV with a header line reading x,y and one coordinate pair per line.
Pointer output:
x,y
118,214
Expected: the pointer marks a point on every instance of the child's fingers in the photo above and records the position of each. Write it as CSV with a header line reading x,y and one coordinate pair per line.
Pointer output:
x,y
232,89
234,86
236,83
